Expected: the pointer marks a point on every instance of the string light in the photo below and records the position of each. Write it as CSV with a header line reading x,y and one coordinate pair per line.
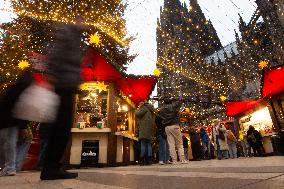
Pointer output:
x,y
194,64
32,31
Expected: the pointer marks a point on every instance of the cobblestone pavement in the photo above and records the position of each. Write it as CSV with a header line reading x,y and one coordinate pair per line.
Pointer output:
x,y
241,173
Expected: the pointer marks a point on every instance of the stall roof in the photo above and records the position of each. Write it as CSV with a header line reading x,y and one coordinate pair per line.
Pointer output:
x,y
137,89
95,67
273,82
236,108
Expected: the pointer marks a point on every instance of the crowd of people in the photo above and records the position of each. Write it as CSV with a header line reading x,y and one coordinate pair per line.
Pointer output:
x,y
173,145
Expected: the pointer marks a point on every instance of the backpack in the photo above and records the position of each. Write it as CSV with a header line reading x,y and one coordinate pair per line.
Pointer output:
x,y
231,137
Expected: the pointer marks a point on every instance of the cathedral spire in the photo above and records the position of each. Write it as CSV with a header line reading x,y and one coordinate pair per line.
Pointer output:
x,y
195,9
237,37
171,4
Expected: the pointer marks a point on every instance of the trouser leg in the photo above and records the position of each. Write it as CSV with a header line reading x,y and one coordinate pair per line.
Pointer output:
x,y
60,131
171,142
22,150
162,148
178,141
10,147
142,148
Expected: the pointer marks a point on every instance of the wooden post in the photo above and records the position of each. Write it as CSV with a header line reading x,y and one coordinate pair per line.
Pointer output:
x,y
111,122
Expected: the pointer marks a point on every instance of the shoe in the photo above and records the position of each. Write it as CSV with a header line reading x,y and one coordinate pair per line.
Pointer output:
x,y
174,162
11,173
57,174
4,172
161,163
168,162
148,161
184,162
142,162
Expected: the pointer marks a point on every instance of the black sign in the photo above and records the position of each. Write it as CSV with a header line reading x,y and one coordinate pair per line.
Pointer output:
x,y
90,153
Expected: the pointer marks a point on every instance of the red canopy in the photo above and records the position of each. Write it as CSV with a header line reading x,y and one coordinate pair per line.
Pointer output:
x,y
235,108
273,82
95,67
137,89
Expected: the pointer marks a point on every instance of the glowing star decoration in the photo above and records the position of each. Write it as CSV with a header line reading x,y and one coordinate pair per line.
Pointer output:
x,y
187,110
223,98
101,86
84,86
23,64
95,39
157,72
263,64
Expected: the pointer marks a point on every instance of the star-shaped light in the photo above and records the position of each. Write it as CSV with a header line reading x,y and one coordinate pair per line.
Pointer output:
x,y
23,64
223,98
157,72
263,64
101,86
95,39
84,86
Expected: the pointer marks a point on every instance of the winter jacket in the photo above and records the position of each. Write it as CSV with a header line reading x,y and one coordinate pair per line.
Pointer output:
x,y
146,120
204,136
231,137
223,143
170,114
65,56
160,127
254,138
195,144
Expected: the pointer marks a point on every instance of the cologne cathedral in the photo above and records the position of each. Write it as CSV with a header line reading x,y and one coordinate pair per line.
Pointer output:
x,y
195,66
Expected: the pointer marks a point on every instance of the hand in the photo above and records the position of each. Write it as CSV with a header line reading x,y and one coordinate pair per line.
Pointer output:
x,y
140,104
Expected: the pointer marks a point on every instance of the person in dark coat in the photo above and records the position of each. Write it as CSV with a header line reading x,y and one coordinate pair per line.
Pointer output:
x,y
146,120
195,144
170,116
64,57
205,143
254,139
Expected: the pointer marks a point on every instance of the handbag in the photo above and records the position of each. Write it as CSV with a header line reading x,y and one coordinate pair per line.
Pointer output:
x,y
37,103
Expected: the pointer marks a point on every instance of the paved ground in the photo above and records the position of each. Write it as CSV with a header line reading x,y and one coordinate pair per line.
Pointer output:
x,y
242,173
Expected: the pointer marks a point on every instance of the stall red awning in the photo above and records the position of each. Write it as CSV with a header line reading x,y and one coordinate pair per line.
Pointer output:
x,y
235,108
137,89
96,67
273,82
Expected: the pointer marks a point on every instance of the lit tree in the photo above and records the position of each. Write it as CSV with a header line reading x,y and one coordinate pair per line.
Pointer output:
x,y
32,31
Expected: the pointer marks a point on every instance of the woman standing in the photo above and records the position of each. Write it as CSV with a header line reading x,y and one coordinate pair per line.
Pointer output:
x,y
205,143
232,143
195,144
145,117
220,139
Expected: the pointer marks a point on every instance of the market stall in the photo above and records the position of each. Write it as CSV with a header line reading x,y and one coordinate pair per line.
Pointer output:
x,y
265,114
260,119
104,122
